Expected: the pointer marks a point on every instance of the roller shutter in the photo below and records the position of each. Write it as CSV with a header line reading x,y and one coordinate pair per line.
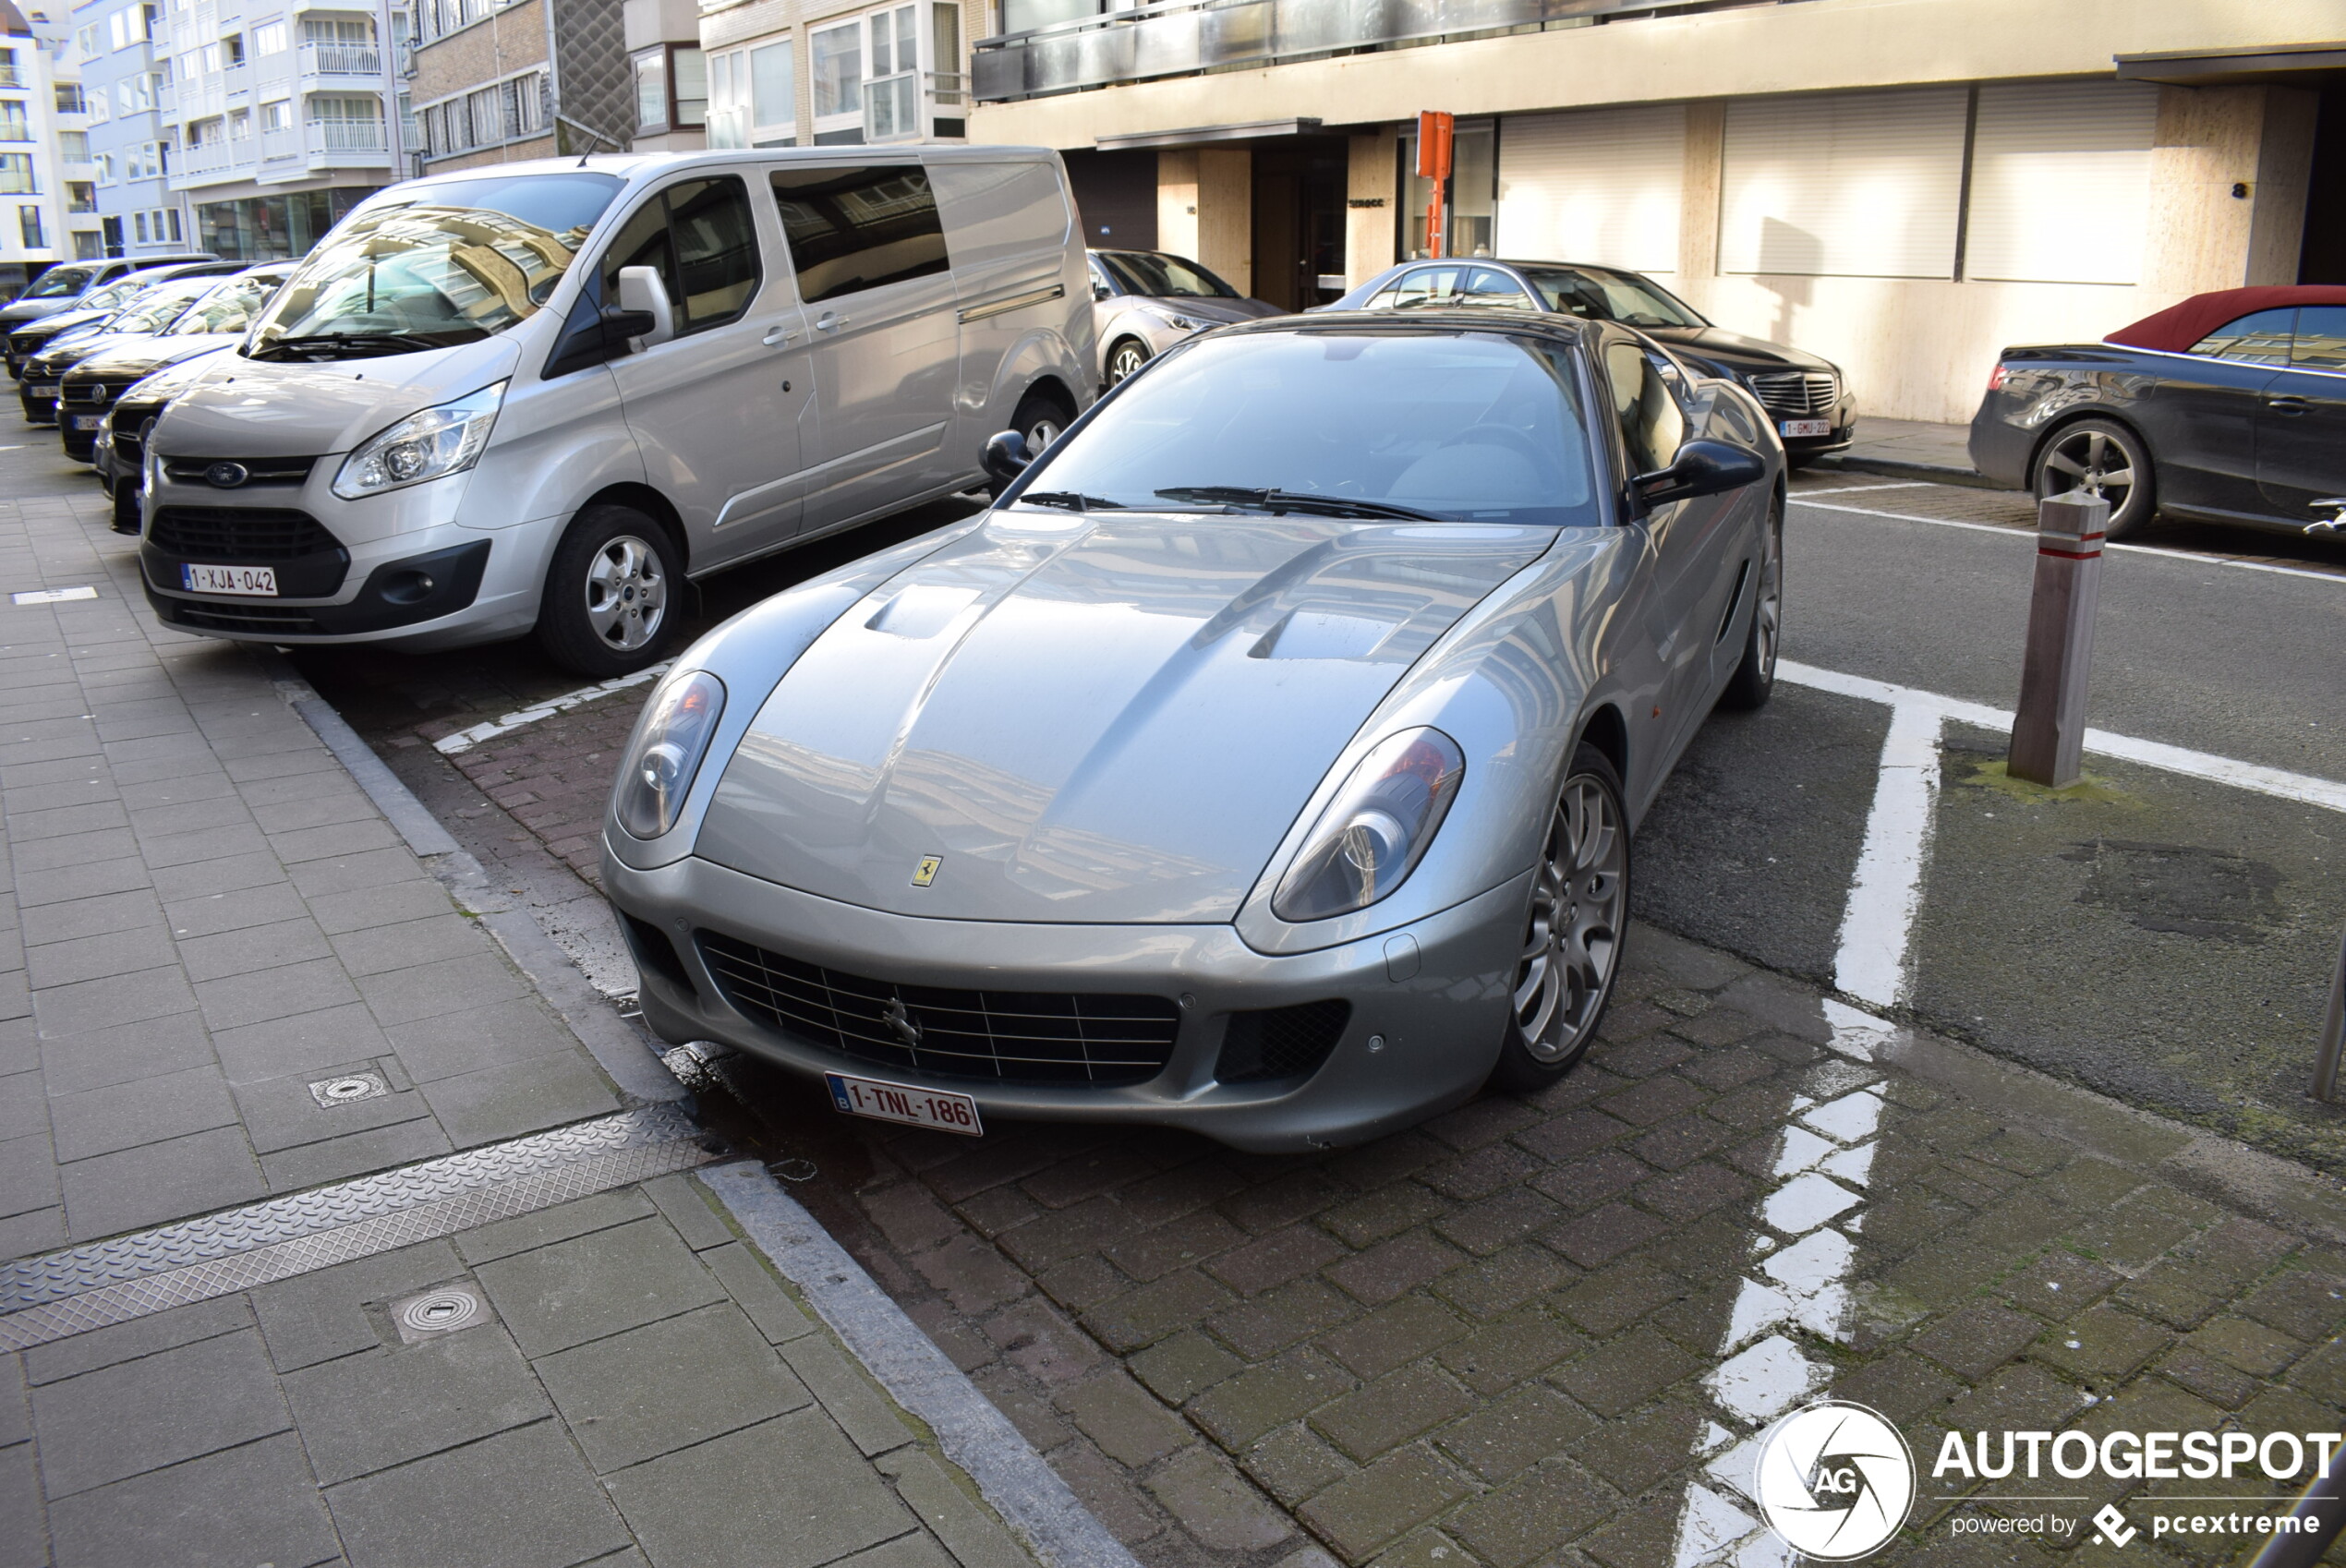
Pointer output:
x,y
1844,184
2061,182
1599,186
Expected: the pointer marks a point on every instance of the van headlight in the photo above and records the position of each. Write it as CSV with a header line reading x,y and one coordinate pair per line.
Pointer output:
x,y
665,753
429,445
1377,828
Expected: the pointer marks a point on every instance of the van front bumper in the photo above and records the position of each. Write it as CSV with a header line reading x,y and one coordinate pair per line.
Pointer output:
x,y
1423,1032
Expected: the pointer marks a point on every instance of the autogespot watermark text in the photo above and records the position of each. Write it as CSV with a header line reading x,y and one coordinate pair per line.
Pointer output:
x,y
2130,1457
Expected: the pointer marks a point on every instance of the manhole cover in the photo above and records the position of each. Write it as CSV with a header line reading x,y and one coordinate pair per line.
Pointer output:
x,y
347,1089
444,1311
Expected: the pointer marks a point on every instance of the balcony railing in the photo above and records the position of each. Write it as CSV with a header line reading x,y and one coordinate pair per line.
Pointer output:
x,y
1181,37
340,60
11,76
347,136
211,160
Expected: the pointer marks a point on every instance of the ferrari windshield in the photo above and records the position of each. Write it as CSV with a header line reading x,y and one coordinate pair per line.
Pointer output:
x,y
434,263
1157,275
1609,296
1465,426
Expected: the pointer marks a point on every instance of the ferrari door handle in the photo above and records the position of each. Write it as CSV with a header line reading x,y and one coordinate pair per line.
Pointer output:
x,y
2287,404
779,334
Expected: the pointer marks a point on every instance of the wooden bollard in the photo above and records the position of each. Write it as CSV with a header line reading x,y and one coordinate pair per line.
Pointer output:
x,y
2048,733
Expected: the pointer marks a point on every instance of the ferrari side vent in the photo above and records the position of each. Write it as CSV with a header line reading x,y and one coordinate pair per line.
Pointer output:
x,y
656,954
1281,1041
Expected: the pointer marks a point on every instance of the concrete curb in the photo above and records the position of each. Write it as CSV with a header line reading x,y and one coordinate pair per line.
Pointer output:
x,y
1017,1481
621,1053
1902,468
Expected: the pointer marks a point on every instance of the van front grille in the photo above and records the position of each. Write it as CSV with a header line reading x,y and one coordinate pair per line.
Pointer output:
x,y
239,534
1005,1036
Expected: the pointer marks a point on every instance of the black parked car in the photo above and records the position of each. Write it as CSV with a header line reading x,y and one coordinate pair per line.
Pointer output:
x,y
1813,410
147,314
2229,407
28,338
215,321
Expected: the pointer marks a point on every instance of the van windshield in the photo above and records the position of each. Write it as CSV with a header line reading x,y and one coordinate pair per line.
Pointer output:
x,y
434,263
59,282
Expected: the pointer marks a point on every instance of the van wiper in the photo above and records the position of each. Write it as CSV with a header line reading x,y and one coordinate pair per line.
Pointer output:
x,y
361,343
1279,501
1073,501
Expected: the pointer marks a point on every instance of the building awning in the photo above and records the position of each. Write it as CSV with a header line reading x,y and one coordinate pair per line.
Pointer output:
x,y
1247,130
2284,64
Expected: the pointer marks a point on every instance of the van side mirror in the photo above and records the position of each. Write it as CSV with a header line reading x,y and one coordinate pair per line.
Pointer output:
x,y
1006,455
642,291
621,324
1701,468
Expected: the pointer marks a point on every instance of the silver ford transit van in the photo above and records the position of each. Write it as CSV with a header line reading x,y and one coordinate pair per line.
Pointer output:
x,y
537,397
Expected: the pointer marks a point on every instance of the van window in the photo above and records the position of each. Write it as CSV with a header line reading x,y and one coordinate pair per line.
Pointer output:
x,y
434,262
857,228
699,234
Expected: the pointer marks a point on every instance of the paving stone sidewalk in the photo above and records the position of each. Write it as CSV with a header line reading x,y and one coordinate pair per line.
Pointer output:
x,y
205,917
1541,1331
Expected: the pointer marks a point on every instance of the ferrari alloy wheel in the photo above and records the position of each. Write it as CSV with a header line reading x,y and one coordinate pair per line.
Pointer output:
x,y
1571,949
2101,458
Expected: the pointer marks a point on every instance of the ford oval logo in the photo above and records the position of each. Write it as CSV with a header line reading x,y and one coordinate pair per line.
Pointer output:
x,y
227,475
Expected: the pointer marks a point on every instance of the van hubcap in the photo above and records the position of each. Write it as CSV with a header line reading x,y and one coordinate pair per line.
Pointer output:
x,y
626,593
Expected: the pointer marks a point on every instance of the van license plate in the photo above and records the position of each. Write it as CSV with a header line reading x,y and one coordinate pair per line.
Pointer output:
x,y
88,421
1806,427
882,1100
250,582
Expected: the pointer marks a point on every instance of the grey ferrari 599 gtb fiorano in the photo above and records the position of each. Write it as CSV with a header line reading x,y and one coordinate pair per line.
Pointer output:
x,y
1264,761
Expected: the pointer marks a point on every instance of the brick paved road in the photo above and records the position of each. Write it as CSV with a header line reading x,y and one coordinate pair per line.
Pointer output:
x,y
1528,1330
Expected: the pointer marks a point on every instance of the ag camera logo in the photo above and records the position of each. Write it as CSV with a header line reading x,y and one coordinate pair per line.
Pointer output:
x,y
1835,1480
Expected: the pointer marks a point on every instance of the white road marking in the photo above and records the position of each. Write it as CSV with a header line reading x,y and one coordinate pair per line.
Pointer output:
x,y
465,740
1871,963
2301,787
2201,559
53,596
1864,490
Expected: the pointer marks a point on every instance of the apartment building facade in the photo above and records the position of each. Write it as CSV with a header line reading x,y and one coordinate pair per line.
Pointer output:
x,y
820,73
282,115
123,73
497,82
1903,188
41,129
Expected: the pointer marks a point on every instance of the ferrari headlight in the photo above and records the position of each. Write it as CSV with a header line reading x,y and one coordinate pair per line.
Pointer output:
x,y
670,739
429,445
1375,831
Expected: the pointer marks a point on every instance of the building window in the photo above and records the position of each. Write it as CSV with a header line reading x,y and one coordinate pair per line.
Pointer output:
x,y
15,174
945,60
111,230
105,168
29,225
87,245
73,146
8,77
275,115
892,89
14,124
1850,184
139,227
80,197
69,99
269,38
752,97
839,73
2034,146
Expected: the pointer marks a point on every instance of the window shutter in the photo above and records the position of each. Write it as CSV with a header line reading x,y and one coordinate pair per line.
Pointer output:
x,y
1601,186
2061,182
1843,185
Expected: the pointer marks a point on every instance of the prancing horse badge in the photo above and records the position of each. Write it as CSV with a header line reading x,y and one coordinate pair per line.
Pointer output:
x,y
926,873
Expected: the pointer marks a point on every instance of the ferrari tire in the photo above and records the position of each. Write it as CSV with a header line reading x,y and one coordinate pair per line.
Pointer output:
x,y
1754,679
1578,914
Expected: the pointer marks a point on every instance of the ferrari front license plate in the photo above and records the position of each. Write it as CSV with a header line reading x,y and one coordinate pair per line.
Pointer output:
x,y
1806,427
250,582
886,1101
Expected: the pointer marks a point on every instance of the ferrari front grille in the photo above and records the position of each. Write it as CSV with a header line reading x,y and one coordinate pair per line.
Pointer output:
x,y
1004,1036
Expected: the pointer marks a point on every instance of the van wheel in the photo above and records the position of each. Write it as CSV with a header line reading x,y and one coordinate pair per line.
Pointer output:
x,y
611,602
1041,419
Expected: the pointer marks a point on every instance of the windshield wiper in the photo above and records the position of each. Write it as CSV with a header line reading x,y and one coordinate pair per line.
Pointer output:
x,y
381,343
1073,501
1278,501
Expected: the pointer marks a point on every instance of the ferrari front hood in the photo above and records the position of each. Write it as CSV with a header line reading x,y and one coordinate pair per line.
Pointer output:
x,y
1112,717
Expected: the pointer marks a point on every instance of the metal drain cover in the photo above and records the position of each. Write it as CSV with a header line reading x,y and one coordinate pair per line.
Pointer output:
x,y
349,1089
441,1310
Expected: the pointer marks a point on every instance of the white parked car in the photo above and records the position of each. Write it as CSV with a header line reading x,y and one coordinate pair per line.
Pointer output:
x,y
1145,301
443,432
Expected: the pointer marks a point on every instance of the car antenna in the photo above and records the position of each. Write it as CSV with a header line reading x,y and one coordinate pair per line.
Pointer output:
x,y
593,135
